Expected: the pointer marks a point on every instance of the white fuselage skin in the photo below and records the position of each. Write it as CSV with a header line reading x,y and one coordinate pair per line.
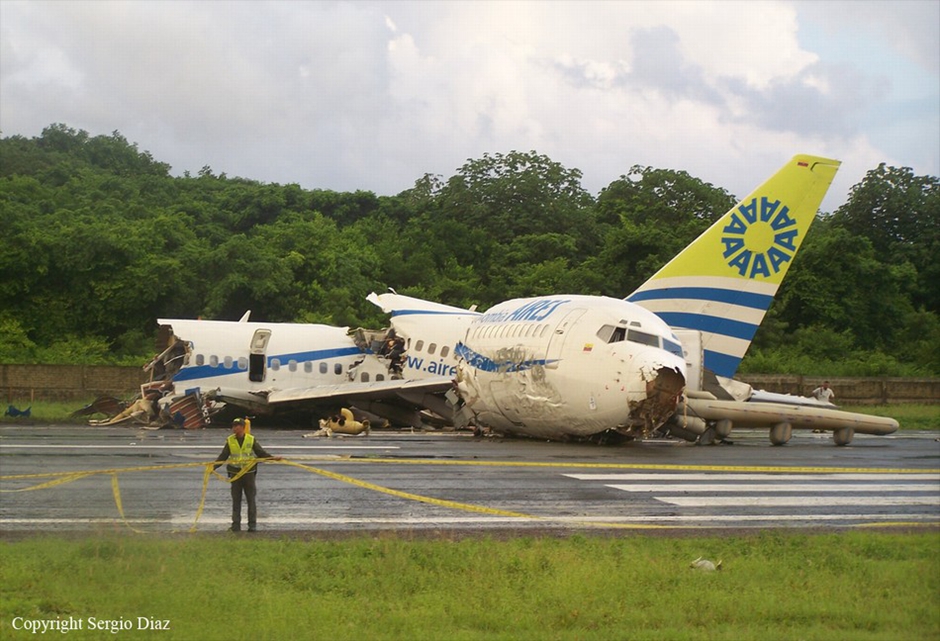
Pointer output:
x,y
548,367
570,366
294,356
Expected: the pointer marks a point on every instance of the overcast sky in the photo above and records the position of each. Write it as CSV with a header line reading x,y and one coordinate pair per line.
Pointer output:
x,y
373,95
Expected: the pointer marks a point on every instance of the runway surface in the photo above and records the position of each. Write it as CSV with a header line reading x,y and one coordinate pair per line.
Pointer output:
x,y
114,478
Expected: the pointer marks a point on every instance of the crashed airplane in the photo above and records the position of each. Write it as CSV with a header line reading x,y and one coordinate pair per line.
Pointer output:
x,y
556,367
549,367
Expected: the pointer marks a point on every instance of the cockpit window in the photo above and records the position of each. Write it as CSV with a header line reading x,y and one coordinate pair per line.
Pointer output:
x,y
672,347
643,338
612,334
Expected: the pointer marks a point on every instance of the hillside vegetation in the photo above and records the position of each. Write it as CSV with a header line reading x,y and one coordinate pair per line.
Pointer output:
x,y
99,240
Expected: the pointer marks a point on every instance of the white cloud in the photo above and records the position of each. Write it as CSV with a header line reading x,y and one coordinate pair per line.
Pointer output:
x,y
373,95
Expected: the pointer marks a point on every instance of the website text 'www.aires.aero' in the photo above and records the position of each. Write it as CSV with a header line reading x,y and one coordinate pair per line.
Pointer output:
x,y
438,367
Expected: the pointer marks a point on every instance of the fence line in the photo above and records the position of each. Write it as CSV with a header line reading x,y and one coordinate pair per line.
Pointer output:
x,y
83,382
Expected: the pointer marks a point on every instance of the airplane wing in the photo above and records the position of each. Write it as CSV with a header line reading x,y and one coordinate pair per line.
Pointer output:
x,y
389,390
398,401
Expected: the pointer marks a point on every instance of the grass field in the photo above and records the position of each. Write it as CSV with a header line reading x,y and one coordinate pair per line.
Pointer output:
x,y
852,585
911,417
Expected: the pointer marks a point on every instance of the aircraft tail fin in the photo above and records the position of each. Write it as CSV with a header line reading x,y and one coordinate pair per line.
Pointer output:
x,y
723,283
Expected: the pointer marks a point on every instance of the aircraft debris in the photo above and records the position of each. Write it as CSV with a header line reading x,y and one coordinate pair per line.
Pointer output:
x,y
704,565
15,413
343,423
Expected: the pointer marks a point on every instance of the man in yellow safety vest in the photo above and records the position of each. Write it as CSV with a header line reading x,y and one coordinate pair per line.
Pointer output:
x,y
242,450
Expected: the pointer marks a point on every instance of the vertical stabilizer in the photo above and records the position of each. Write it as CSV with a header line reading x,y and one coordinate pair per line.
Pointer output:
x,y
723,283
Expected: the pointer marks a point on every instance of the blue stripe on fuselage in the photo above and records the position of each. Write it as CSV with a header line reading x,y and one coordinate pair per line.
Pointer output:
x,y
480,362
211,371
413,312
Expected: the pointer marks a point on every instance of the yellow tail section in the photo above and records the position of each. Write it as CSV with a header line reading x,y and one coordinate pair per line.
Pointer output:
x,y
759,237
723,283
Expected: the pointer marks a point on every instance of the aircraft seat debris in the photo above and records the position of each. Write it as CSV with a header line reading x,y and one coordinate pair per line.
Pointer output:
x,y
342,423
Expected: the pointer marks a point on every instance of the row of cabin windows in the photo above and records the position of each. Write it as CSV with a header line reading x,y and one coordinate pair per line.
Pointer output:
x,y
432,348
510,330
228,362
324,367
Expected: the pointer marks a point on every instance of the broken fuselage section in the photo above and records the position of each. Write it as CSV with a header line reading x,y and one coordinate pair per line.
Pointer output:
x,y
563,367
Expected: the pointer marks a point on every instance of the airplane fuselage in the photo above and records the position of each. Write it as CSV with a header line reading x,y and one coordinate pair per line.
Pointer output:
x,y
570,366
258,357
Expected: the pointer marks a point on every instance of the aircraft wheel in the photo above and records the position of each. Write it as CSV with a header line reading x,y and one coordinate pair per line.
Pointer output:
x,y
707,437
843,436
781,433
723,428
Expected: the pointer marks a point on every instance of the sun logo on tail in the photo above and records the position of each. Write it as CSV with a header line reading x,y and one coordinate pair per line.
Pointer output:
x,y
760,239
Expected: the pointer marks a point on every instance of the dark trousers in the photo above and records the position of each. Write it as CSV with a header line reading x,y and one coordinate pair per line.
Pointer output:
x,y
247,485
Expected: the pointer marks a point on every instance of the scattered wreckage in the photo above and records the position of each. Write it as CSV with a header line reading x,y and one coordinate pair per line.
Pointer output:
x,y
157,405
343,423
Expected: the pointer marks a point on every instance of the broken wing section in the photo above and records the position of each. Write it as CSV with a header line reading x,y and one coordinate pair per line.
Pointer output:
x,y
398,401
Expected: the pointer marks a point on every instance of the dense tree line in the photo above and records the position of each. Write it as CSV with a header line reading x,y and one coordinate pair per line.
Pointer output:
x,y
99,240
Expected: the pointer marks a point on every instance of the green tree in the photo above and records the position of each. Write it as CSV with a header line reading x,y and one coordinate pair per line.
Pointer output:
x,y
653,214
899,213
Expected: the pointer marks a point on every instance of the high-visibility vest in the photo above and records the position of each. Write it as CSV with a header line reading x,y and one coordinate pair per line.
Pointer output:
x,y
240,455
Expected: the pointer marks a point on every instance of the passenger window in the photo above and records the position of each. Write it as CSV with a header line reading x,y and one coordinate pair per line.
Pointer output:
x,y
275,364
338,368
432,348
200,359
365,377
445,351
380,377
419,345
292,365
214,361
323,368
544,331
242,363
308,367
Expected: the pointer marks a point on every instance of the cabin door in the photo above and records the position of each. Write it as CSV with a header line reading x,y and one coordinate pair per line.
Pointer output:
x,y
557,341
257,355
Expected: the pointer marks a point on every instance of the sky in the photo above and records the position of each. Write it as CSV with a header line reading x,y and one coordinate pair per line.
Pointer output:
x,y
372,96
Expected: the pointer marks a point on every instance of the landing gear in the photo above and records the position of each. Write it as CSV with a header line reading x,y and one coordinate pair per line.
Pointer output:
x,y
843,436
707,437
780,433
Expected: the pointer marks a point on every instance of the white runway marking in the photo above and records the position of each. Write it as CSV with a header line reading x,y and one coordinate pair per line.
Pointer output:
x,y
821,497
275,522
780,487
796,501
767,476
